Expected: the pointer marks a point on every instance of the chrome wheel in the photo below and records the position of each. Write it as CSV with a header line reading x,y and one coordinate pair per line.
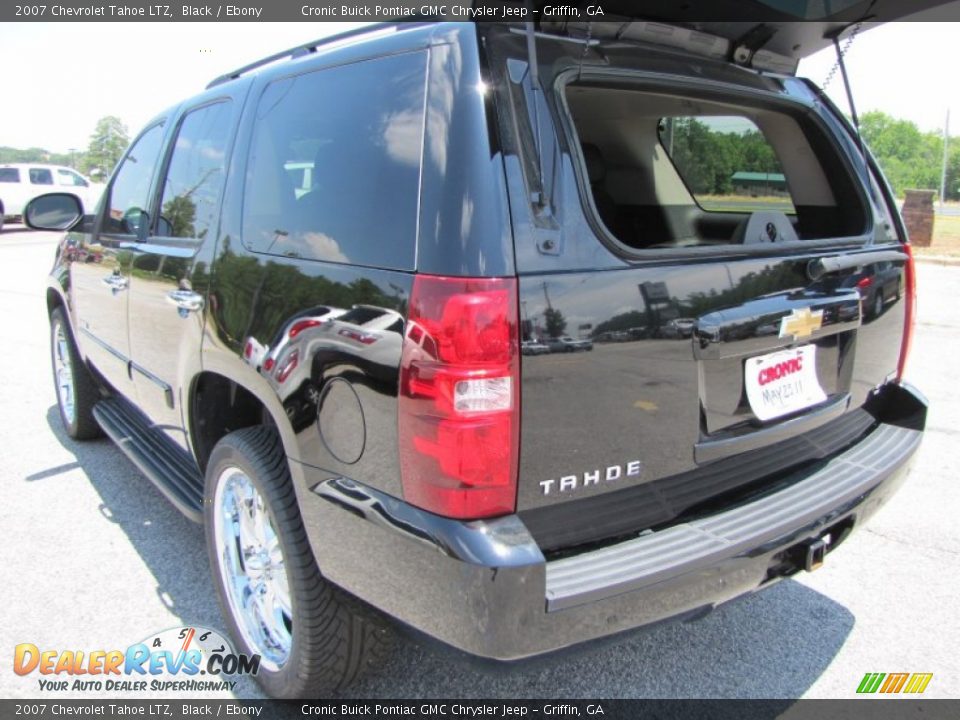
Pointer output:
x,y
252,567
63,373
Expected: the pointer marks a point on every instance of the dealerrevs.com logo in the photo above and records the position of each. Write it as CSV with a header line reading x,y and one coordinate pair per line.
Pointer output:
x,y
175,660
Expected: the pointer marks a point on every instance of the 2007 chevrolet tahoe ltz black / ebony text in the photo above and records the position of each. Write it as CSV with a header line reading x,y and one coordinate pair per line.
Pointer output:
x,y
300,307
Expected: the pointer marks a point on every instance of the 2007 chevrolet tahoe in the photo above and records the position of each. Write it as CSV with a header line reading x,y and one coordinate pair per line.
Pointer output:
x,y
315,279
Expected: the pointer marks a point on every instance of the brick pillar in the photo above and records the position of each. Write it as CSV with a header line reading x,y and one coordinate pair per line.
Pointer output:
x,y
918,216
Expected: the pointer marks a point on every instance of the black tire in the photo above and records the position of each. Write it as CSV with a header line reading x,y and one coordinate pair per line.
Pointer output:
x,y
877,309
333,637
82,426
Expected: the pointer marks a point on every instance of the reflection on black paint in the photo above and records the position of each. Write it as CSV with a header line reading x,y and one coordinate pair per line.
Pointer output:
x,y
356,333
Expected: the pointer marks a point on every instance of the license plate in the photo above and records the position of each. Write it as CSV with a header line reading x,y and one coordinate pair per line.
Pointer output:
x,y
783,382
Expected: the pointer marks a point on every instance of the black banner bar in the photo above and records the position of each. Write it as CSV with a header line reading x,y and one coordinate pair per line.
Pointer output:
x,y
267,11
893,708
400,10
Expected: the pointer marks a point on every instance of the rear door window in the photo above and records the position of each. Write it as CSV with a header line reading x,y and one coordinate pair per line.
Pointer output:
x,y
129,192
195,174
334,165
41,176
726,163
9,175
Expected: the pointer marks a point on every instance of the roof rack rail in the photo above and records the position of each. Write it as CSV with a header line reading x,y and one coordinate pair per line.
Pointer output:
x,y
304,49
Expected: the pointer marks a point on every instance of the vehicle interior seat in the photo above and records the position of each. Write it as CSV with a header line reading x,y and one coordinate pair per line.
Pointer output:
x,y
597,174
765,227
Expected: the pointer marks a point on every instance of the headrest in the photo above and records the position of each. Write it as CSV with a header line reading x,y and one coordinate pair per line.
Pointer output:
x,y
596,167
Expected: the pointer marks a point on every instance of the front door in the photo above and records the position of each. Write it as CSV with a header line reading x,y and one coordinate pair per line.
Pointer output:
x,y
100,267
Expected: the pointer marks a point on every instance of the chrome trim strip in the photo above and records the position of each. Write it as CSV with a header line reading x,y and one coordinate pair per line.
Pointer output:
x,y
716,448
113,351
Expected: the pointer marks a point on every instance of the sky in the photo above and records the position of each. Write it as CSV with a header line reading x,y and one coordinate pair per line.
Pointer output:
x,y
68,75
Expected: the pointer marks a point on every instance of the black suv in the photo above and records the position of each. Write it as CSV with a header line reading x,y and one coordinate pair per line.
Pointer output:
x,y
314,279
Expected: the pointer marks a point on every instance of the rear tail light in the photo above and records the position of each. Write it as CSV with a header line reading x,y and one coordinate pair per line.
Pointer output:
x,y
459,397
361,337
910,312
865,282
300,325
287,365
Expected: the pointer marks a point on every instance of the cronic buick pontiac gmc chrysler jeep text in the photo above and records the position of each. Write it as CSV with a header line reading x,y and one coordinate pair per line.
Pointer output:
x,y
516,335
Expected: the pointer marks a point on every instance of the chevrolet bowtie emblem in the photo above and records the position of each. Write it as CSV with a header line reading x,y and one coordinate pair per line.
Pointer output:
x,y
801,323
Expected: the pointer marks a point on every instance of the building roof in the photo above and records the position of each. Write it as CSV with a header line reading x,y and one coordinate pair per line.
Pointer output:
x,y
759,177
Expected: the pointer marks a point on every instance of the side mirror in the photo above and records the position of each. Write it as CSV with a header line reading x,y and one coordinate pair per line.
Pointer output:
x,y
136,222
53,211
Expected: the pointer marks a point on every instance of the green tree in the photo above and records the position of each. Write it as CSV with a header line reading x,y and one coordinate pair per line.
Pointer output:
x,y
107,144
953,169
556,324
707,158
909,158
621,322
38,155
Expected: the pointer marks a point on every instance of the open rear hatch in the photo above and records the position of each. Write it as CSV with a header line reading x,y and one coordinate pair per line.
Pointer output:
x,y
732,254
767,34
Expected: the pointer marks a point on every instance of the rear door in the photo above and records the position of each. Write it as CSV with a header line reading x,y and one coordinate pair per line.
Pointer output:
x,y
170,270
718,362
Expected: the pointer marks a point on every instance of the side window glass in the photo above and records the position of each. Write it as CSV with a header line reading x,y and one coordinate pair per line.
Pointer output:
x,y
41,176
726,163
66,177
334,165
195,175
9,175
129,191
885,230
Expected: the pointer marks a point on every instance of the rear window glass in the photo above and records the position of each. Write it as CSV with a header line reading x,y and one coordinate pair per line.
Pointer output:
x,y
726,163
41,176
9,175
670,171
195,174
129,193
362,315
334,165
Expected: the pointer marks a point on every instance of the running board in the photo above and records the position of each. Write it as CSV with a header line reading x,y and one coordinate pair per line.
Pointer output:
x,y
165,465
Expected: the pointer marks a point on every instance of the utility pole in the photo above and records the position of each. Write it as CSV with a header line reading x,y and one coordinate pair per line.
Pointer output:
x,y
546,295
943,171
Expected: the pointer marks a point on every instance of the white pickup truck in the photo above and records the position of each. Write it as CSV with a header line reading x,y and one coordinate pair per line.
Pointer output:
x,y
22,182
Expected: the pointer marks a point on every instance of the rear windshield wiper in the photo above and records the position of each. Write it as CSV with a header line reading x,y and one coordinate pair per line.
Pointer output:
x,y
820,267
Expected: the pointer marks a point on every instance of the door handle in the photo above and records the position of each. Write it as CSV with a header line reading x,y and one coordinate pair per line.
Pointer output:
x,y
116,283
186,301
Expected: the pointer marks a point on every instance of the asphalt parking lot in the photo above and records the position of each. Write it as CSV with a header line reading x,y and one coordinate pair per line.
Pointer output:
x,y
97,558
